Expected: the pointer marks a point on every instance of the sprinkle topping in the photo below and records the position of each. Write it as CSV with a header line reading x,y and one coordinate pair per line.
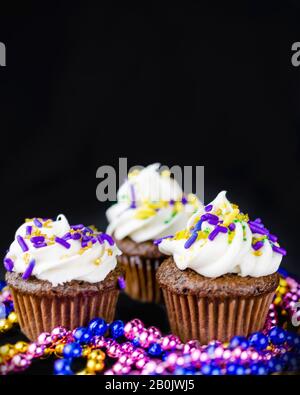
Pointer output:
x,y
224,221
62,242
22,243
8,264
27,273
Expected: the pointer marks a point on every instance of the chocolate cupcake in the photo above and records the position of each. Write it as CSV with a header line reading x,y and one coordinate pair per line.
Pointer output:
x,y
151,205
222,274
61,275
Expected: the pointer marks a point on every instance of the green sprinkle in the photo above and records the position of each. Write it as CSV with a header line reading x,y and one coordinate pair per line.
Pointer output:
x,y
170,219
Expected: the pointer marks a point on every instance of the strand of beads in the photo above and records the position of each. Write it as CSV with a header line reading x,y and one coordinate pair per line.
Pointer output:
x,y
287,295
8,317
140,350
276,350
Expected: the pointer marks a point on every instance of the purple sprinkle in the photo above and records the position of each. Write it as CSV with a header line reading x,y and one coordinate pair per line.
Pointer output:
x,y
256,224
231,227
258,220
28,229
37,239
222,229
104,236
280,250
211,216
208,208
94,240
86,238
40,245
172,202
184,200
212,219
76,227
213,234
62,242
121,282
76,236
273,238
67,236
216,231
84,243
198,225
257,229
22,243
158,241
88,230
132,191
191,240
8,264
258,245
37,223
28,270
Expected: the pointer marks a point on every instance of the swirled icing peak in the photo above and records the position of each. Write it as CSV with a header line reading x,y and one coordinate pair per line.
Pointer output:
x,y
57,252
220,239
150,205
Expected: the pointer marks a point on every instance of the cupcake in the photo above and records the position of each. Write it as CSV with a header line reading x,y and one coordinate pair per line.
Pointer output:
x,y
221,274
61,275
151,205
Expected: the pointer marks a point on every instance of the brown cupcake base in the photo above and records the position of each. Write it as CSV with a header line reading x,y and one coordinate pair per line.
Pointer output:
x,y
140,278
41,314
207,319
208,309
41,307
140,262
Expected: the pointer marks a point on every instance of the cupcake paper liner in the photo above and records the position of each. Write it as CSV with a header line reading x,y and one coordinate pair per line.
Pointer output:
x,y
38,314
140,275
206,319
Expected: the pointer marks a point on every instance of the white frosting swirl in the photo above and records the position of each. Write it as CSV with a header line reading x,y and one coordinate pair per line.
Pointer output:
x,y
143,211
230,252
58,264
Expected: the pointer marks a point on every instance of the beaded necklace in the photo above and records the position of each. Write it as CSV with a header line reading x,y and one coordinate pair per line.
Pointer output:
x,y
131,348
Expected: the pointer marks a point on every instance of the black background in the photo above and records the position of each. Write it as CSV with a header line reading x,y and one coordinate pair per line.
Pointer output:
x,y
190,84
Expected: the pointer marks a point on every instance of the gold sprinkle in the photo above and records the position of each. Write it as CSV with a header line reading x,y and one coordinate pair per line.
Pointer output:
x,y
93,227
97,261
257,253
196,219
228,218
109,252
144,213
83,249
182,234
192,198
46,224
133,174
26,257
202,235
178,206
231,236
165,173
243,217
